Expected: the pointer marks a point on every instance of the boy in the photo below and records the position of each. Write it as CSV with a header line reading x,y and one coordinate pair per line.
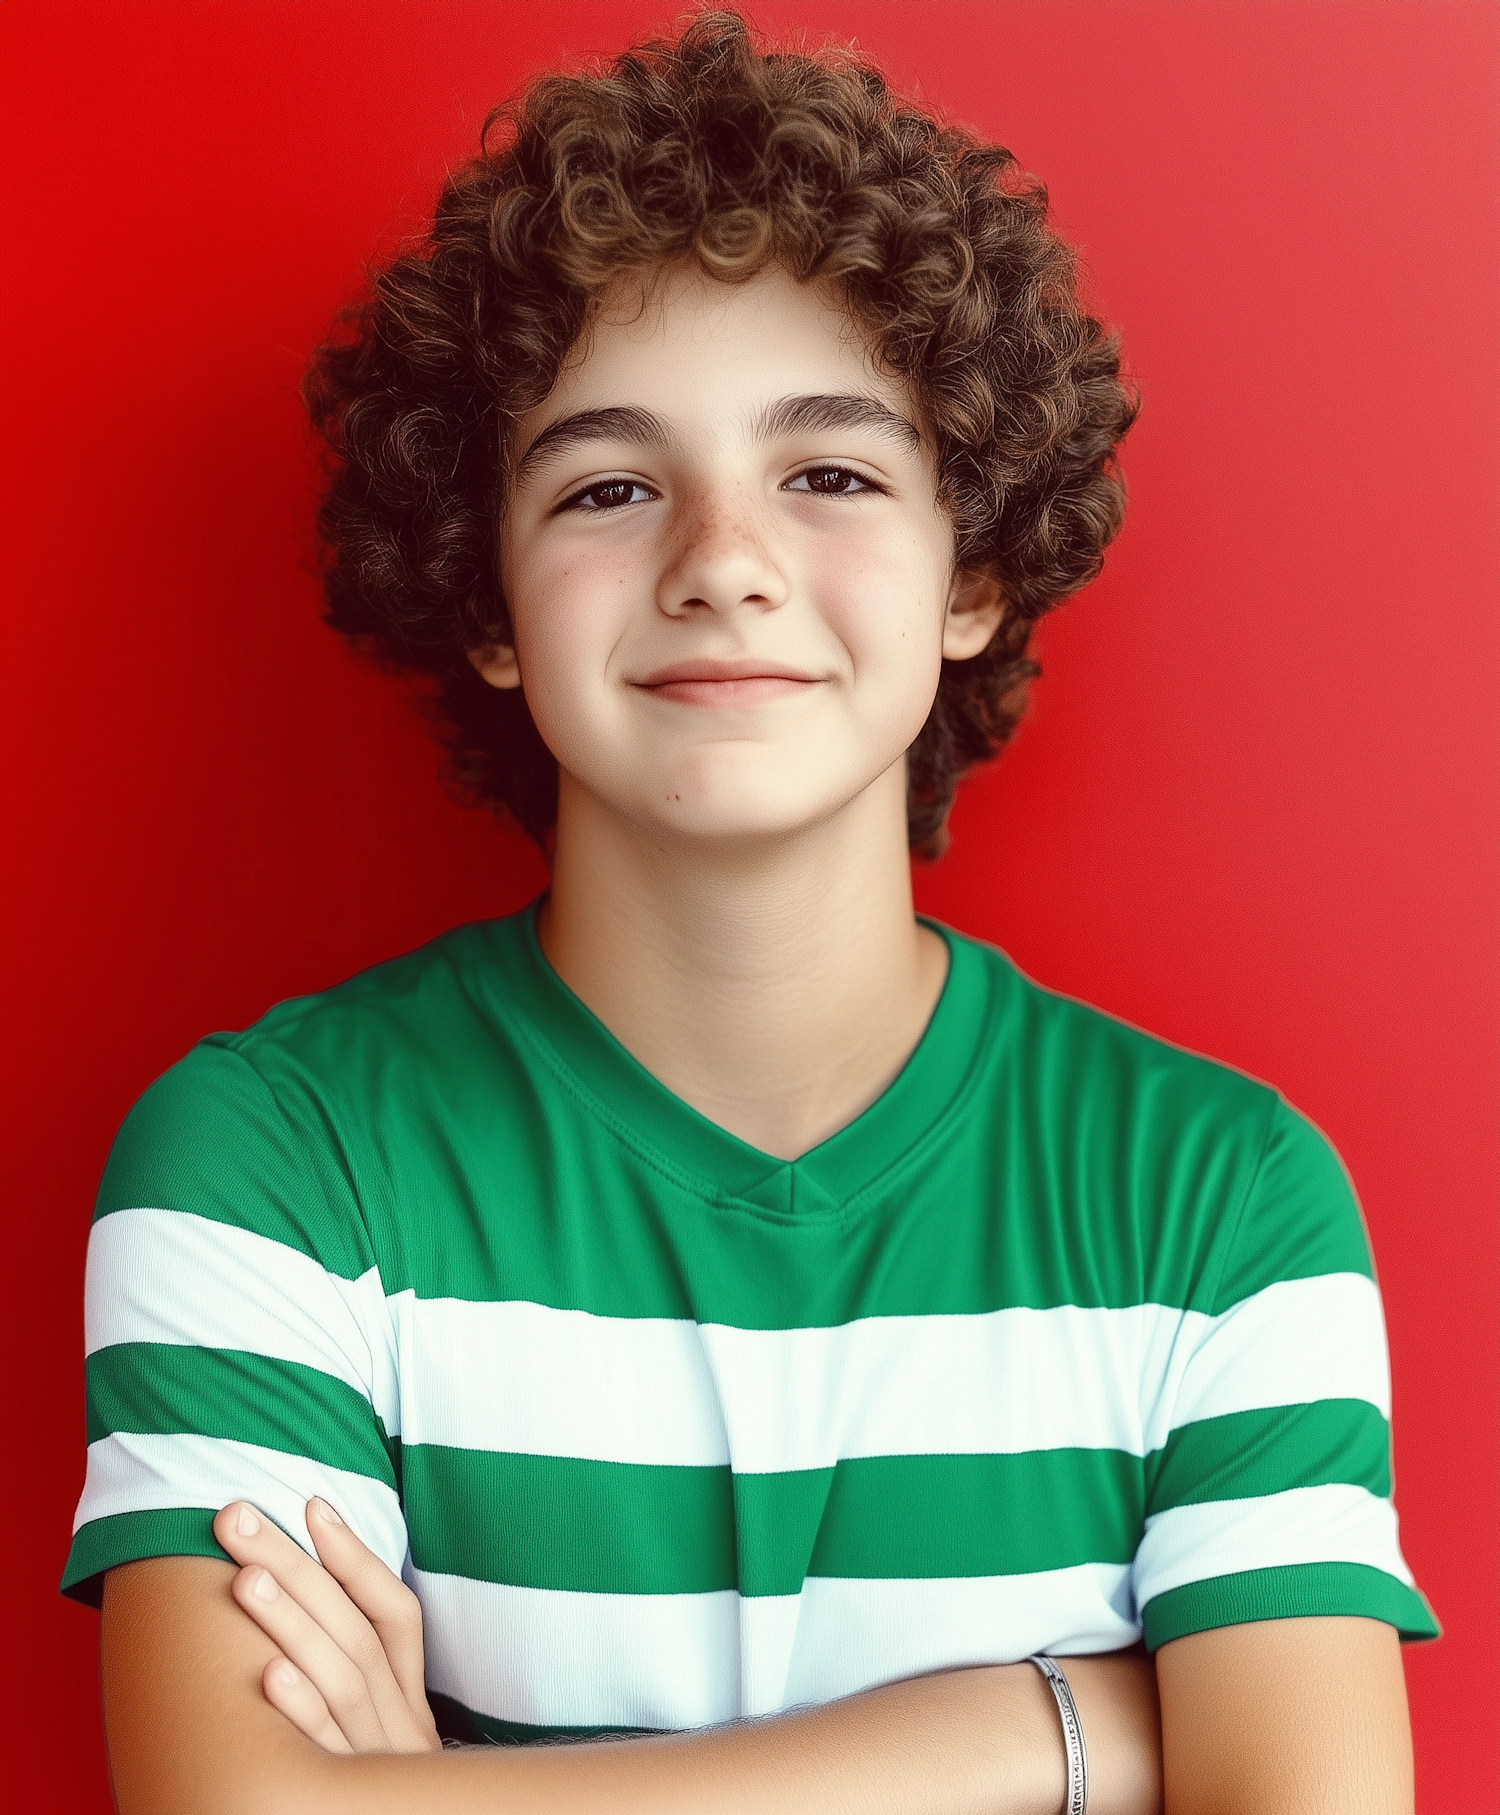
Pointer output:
x,y
715,1291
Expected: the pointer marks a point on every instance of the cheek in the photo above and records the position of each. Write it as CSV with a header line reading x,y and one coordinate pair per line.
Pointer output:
x,y
547,623
886,605
568,612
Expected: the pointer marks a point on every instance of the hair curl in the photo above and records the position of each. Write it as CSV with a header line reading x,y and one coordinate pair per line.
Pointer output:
x,y
708,149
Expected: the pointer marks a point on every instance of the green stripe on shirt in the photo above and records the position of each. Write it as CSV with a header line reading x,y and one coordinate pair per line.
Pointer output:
x,y
169,1389
631,1528
1243,1454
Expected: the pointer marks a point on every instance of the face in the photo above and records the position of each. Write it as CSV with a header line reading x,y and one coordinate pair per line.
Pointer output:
x,y
730,582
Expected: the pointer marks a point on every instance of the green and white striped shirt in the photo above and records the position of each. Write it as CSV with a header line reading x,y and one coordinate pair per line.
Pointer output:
x,y
1069,1336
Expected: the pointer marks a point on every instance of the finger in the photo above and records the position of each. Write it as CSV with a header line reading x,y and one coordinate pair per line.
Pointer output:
x,y
251,1539
291,1694
331,1671
384,1599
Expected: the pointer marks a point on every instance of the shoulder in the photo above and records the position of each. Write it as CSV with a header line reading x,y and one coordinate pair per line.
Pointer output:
x,y
1072,1067
268,1127
426,1005
1225,1184
1064,1041
450,991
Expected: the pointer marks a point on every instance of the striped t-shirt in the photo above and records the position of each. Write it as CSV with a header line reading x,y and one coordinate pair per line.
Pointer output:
x,y
1070,1336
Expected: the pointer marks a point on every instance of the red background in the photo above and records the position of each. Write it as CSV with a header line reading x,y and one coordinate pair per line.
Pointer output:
x,y
1255,808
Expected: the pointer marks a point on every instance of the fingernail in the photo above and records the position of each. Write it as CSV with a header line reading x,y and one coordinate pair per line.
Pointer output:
x,y
325,1511
286,1673
264,1587
246,1524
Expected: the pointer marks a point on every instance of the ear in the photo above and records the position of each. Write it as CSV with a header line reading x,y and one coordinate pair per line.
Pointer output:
x,y
976,608
497,664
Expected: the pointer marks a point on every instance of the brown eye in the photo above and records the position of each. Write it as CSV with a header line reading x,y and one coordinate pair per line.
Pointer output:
x,y
609,494
831,482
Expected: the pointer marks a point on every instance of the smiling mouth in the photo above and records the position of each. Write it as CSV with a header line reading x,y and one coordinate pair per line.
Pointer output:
x,y
726,684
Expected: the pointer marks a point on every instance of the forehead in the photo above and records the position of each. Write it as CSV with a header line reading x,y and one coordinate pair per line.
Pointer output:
x,y
699,351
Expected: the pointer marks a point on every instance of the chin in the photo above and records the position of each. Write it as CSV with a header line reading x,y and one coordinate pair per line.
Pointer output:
x,y
732,822
744,792
745,810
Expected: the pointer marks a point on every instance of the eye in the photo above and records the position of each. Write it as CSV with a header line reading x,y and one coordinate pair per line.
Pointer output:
x,y
832,482
608,494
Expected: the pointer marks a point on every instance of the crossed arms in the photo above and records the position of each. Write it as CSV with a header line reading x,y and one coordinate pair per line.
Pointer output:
x,y
1284,1717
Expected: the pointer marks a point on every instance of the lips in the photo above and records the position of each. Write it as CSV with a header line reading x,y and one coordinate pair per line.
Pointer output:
x,y
742,682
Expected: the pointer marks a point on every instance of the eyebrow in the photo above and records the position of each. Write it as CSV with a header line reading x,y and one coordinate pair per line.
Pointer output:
x,y
625,422
810,413
834,410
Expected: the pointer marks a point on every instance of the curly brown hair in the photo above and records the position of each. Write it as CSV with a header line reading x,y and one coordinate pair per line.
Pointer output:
x,y
711,149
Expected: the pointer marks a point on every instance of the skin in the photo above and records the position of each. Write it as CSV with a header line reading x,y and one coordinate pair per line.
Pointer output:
x,y
748,851
729,614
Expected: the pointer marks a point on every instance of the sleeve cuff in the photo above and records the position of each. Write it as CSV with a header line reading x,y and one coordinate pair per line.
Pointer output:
x,y
1293,1591
179,1531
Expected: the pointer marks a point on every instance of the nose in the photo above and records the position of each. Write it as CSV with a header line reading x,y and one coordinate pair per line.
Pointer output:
x,y
723,557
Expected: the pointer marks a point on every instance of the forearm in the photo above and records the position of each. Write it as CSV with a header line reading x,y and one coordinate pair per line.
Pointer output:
x,y
971,1742
191,1733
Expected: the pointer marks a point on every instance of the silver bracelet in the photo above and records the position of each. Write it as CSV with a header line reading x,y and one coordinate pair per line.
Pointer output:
x,y
1078,1759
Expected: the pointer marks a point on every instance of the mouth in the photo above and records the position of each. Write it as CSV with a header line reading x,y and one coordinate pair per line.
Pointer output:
x,y
743,682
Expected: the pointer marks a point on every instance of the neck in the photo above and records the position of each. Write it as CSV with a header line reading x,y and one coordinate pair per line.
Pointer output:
x,y
776,985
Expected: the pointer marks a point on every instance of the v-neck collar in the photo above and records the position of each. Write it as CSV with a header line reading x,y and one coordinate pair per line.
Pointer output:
x,y
820,1182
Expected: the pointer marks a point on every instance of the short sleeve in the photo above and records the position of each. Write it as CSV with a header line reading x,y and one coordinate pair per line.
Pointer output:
x,y
237,1337
1268,1494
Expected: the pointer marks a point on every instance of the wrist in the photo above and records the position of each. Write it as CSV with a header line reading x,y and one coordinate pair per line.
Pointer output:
x,y
1115,1695
1025,1768
1076,1794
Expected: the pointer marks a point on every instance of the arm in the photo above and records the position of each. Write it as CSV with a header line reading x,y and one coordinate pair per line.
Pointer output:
x,y
190,1731
1297,1715
1286,1717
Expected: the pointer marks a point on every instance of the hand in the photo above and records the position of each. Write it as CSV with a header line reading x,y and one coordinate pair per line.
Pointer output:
x,y
350,1674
